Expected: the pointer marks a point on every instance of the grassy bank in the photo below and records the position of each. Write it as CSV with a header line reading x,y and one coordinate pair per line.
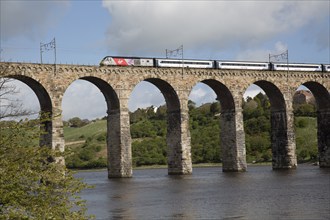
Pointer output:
x,y
88,144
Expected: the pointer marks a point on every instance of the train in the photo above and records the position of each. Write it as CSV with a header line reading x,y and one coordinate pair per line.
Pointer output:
x,y
211,64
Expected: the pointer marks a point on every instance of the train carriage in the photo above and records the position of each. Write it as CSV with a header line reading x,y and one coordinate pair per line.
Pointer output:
x,y
126,61
242,65
326,67
217,64
297,67
184,63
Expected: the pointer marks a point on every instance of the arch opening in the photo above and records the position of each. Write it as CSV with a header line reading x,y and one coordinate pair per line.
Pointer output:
x,y
281,124
230,150
44,110
257,125
171,98
322,99
204,124
148,125
305,122
174,132
98,144
177,149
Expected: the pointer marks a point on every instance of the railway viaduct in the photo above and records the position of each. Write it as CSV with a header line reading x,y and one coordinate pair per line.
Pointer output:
x,y
49,82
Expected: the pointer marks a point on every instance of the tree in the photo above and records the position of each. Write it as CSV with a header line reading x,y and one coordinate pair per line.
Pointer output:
x,y
9,107
215,108
76,122
304,110
32,184
191,105
161,112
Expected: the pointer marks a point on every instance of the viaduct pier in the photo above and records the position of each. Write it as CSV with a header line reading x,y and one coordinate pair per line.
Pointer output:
x,y
49,82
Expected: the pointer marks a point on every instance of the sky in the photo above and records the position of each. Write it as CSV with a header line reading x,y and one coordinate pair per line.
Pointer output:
x,y
87,31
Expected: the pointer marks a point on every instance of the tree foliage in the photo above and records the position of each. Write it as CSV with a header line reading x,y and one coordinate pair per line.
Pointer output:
x,y
304,110
32,184
76,122
10,107
149,128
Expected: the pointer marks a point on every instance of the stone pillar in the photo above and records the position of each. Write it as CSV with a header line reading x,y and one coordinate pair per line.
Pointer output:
x,y
119,144
58,142
178,143
58,133
46,129
232,139
52,125
283,140
323,136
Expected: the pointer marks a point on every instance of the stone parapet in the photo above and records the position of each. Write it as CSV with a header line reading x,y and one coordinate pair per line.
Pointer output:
x,y
50,82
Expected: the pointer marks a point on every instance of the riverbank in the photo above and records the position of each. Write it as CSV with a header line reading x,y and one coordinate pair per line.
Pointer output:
x,y
200,165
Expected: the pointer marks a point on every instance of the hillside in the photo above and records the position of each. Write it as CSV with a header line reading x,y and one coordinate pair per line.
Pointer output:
x,y
87,144
88,131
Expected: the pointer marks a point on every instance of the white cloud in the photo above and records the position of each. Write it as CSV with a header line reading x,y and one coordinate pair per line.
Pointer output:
x,y
83,99
28,19
201,94
261,54
141,26
149,27
145,95
252,91
24,96
280,47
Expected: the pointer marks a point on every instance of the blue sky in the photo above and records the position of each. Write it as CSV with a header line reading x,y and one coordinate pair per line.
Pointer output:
x,y
86,31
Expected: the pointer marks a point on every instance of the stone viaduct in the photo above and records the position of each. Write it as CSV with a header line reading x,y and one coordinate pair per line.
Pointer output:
x,y
49,82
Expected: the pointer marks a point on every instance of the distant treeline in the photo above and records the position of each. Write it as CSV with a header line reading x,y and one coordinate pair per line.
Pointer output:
x,y
149,127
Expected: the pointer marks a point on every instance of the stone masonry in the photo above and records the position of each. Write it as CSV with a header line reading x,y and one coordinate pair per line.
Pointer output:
x,y
50,82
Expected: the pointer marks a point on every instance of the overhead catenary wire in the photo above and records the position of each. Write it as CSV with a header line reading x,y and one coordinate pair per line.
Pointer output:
x,y
11,49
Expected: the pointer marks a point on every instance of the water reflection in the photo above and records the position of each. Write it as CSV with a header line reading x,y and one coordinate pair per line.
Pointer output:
x,y
260,193
121,200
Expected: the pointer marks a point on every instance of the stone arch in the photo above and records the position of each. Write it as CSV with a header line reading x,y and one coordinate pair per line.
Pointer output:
x,y
232,138
282,131
227,100
170,95
321,94
109,93
46,109
322,98
118,141
178,145
275,95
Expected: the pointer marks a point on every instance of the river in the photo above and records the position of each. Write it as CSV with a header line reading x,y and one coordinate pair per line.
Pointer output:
x,y
259,193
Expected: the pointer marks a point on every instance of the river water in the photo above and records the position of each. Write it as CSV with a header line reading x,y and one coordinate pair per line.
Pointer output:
x,y
259,193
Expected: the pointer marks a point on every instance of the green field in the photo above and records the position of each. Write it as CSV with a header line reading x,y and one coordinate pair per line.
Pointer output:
x,y
149,127
88,143
88,131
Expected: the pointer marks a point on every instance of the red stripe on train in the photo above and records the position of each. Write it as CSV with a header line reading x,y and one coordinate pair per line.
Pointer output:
x,y
120,61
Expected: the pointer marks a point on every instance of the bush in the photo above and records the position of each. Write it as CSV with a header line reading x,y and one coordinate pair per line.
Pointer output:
x,y
99,163
77,122
32,185
301,123
86,154
102,137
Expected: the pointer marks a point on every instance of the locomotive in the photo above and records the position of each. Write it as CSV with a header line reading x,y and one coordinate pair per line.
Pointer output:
x,y
210,64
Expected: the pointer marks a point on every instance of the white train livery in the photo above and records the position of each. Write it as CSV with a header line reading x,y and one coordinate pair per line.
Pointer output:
x,y
211,64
